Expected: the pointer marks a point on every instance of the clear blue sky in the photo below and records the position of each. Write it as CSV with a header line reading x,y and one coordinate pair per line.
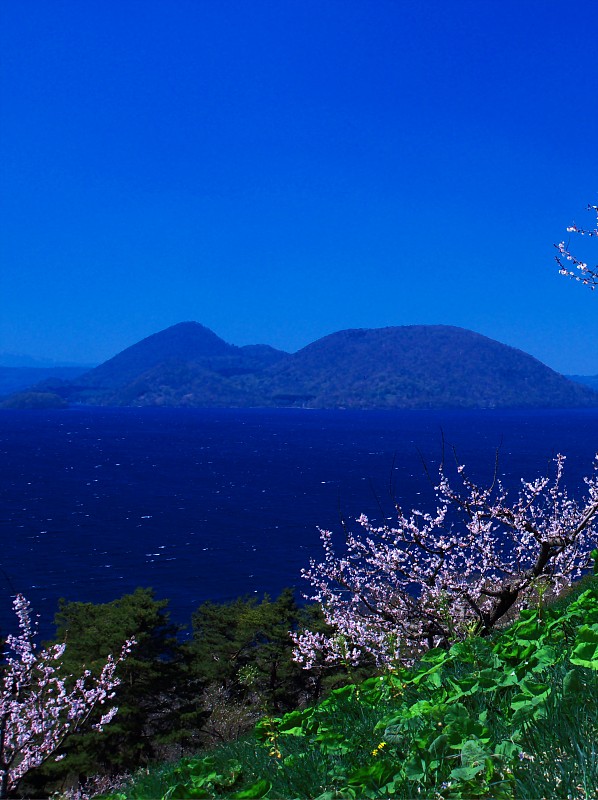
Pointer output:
x,y
281,169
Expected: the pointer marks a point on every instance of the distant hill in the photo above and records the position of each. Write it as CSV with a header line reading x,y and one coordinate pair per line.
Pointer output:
x,y
416,366
32,401
13,379
585,380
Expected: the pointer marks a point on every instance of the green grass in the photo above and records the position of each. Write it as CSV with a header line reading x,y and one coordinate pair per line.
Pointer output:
x,y
515,716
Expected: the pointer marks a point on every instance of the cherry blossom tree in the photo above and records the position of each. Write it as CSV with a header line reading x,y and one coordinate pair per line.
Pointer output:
x,y
572,266
433,579
39,707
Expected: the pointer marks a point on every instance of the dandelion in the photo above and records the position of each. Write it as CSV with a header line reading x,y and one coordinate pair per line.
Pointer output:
x,y
377,750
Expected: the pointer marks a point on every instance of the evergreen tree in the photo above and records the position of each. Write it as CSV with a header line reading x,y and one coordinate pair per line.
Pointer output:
x,y
145,698
240,663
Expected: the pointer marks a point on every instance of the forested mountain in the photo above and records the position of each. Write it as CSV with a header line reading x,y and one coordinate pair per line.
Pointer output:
x,y
415,366
420,366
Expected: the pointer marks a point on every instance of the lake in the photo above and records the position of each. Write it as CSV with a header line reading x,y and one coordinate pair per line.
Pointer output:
x,y
213,504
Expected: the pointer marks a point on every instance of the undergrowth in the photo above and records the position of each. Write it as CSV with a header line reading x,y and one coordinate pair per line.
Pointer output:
x,y
514,716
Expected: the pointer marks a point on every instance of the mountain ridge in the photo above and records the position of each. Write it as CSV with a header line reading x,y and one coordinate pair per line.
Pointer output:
x,y
413,366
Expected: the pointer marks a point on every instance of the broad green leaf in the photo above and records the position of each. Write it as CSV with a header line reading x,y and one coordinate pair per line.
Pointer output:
x,y
344,691
545,656
436,655
497,678
292,723
472,753
375,775
333,741
528,712
258,789
464,687
415,768
182,791
507,748
467,773
585,652
440,745
394,733
470,651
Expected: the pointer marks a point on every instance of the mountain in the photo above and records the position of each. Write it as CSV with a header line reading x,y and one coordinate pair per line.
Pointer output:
x,y
415,366
186,364
187,341
420,366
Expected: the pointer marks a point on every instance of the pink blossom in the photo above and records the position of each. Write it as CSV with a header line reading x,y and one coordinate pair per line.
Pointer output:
x,y
586,275
37,709
433,579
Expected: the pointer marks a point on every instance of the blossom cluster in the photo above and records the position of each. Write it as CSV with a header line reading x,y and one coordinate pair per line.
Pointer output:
x,y
573,267
433,579
39,707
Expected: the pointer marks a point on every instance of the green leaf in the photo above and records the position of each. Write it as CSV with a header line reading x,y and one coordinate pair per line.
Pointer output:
x,y
464,687
472,651
344,691
258,789
437,656
507,749
372,690
534,689
497,678
527,712
472,753
467,773
292,724
416,768
545,656
181,791
440,745
585,652
375,775
333,741
430,677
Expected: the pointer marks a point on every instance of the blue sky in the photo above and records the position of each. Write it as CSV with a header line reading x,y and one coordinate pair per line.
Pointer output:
x,y
279,170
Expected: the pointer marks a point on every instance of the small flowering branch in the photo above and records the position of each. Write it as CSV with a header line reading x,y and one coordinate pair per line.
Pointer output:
x,y
573,267
434,579
39,707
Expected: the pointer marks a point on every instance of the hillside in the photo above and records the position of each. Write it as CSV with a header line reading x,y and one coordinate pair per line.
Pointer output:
x,y
420,366
585,380
186,364
414,367
14,379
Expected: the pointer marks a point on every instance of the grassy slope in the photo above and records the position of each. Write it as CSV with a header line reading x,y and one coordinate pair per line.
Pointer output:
x,y
511,717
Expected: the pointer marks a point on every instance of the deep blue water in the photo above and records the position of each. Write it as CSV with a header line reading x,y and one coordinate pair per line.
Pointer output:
x,y
212,504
